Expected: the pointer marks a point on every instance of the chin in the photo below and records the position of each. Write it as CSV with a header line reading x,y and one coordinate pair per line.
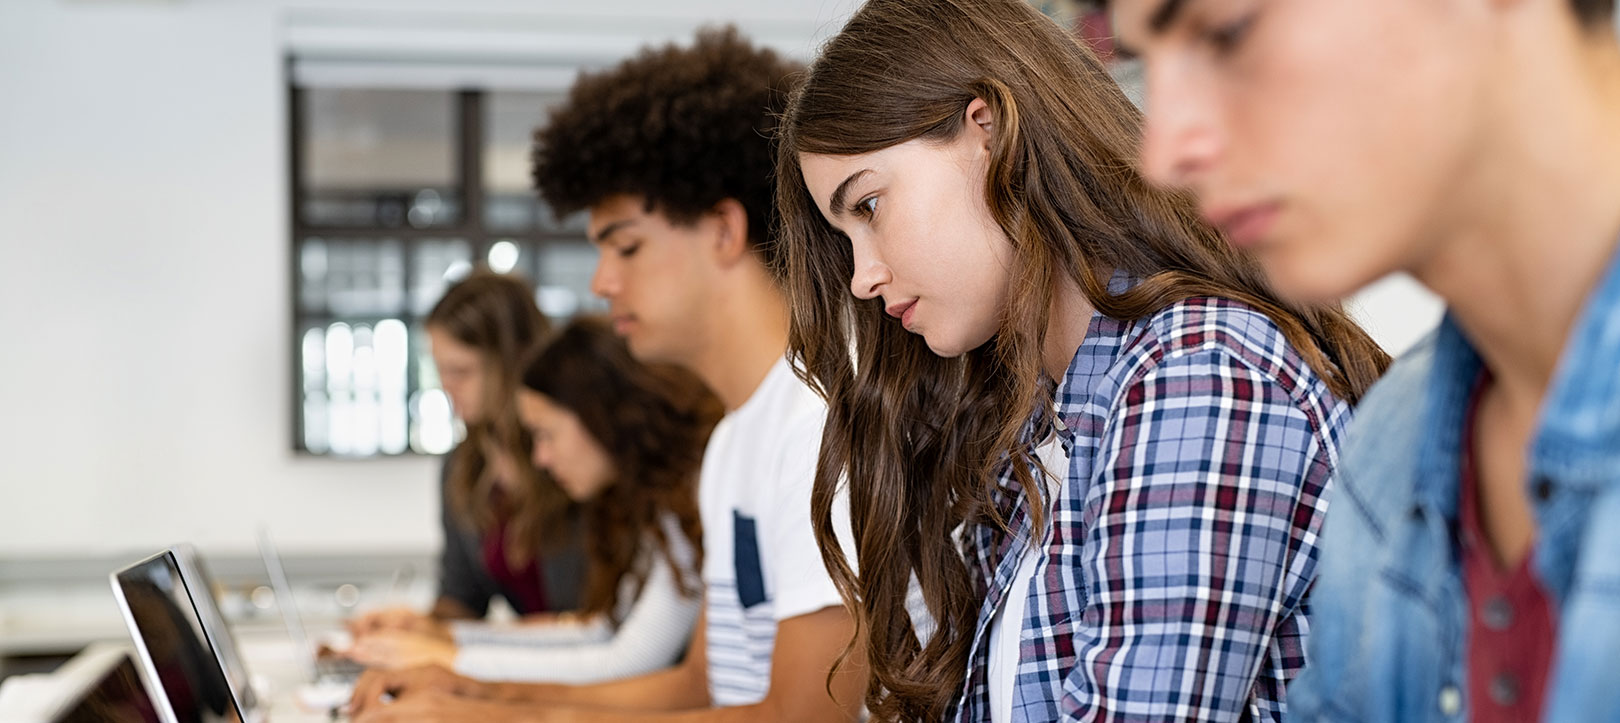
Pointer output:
x,y
643,349
1316,279
948,348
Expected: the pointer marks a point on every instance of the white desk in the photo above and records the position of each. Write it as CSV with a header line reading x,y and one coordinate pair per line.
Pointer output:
x,y
276,669
270,659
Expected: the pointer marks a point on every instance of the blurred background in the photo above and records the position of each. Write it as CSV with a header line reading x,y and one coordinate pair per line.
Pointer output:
x,y
221,222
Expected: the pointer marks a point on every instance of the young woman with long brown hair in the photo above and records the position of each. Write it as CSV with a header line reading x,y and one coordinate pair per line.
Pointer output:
x,y
625,441
509,532
966,167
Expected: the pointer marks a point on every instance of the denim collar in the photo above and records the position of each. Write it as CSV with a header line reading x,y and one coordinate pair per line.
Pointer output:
x,y
1577,438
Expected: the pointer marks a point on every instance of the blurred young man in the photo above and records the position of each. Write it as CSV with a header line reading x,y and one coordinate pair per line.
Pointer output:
x,y
670,155
1469,565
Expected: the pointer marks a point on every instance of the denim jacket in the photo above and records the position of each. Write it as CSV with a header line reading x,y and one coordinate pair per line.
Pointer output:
x,y
1388,639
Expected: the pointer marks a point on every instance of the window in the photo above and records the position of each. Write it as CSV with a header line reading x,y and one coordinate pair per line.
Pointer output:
x,y
396,192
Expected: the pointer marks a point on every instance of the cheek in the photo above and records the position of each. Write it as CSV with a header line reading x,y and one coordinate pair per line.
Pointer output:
x,y
604,467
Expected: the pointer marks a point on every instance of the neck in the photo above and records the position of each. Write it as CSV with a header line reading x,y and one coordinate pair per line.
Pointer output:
x,y
1544,216
748,333
1066,330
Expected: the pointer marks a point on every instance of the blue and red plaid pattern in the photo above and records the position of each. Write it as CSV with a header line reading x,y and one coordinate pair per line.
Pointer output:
x,y
1180,548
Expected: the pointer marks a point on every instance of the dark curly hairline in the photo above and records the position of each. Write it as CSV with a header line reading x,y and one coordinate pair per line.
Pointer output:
x,y
683,127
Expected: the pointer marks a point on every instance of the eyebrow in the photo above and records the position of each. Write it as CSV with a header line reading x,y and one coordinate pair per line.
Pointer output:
x,y
836,204
1160,20
611,229
1165,16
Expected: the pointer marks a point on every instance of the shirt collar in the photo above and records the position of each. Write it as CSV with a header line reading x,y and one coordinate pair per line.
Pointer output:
x,y
1577,438
1099,350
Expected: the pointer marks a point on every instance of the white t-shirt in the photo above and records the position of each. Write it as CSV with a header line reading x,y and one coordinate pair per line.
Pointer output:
x,y
1007,627
760,561
656,624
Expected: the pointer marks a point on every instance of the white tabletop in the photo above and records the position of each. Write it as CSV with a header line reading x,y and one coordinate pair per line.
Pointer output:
x,y
278,674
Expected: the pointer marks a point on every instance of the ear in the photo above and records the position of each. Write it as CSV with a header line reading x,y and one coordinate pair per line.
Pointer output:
x,y
979,122
731,243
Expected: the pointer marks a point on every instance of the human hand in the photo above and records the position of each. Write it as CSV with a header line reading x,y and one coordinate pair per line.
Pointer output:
x,y
401,619
393,650
397,685
437,707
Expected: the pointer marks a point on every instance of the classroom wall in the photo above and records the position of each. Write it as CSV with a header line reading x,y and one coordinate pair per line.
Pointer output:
x,y
144,344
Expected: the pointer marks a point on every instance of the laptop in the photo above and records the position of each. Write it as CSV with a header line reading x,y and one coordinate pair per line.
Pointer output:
x,y
321,670
106,689
188,654
99,685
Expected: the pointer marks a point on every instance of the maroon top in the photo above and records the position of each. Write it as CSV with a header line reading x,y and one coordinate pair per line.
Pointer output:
x,y
524,583
1511,626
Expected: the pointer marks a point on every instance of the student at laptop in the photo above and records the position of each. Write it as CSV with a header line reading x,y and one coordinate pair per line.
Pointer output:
x,y
508,531
670,155
1469,568
624,440
968,247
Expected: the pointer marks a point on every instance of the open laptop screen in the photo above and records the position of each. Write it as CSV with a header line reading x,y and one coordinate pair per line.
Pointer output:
x,y
166,627
118,696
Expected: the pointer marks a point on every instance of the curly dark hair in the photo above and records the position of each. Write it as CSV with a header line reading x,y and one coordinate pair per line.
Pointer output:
x,y
684,127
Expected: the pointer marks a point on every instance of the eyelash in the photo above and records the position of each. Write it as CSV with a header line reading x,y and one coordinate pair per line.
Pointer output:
x,y
862,209
1225,39
628,251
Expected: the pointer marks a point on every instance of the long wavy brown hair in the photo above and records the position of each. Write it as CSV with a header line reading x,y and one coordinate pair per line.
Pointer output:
x,y
921,438
495,314
655,419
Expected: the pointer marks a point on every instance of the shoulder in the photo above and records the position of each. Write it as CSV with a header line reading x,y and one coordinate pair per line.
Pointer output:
x,y
785,412
1377,475
1210,335
1223,326
1404,382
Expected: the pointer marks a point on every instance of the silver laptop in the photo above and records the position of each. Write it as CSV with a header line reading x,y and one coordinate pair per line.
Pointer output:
x,y
318,668
188,653
101,685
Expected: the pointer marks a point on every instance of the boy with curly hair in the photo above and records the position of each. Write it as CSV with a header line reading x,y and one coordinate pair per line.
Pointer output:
x,y
670,155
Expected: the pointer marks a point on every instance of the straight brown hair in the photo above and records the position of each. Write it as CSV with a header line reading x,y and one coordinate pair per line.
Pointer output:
x,y
496,315
922,439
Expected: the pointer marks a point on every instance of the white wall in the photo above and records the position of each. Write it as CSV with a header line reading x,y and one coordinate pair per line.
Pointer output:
x,y
144,345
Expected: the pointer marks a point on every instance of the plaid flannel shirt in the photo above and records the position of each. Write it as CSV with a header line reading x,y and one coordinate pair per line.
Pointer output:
x,y
1172,577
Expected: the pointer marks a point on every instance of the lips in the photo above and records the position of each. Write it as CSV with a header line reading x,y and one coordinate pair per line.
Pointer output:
x,y
903,312
622,323
1245,226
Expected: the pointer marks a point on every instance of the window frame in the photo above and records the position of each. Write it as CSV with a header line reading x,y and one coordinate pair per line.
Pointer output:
x,y
468,125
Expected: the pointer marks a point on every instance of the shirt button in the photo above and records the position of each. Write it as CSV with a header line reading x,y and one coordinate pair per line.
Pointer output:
x,y
1504,690
1497,613
1450,700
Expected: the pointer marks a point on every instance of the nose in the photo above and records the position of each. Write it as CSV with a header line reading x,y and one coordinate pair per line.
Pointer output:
x,y
541,456
1181,141
871,274
606,282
